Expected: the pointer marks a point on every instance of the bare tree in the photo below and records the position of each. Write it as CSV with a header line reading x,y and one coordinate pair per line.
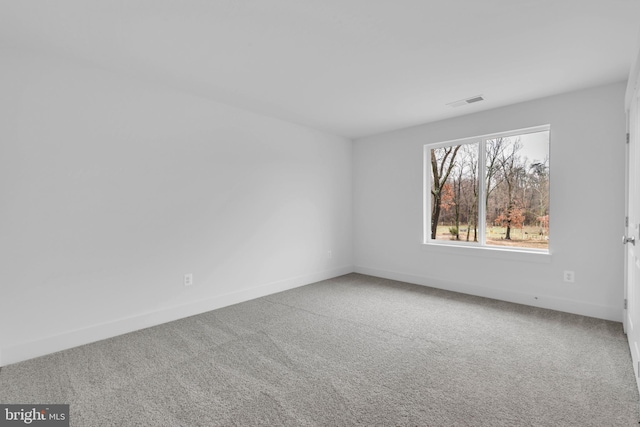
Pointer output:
x,y
442,163
539,185
516,192
458,178
469,190
510,166
494,150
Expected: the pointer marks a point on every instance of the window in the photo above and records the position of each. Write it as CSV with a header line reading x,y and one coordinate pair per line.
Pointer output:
x,y
490,191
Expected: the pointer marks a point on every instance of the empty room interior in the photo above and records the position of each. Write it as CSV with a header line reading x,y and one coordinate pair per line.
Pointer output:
x,y
320,212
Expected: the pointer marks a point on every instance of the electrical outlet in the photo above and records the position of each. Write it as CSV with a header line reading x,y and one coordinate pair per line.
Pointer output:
x,y
569,276
188,279
329,254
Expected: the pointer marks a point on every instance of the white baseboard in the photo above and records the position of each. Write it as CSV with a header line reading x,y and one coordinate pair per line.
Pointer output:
x,y
542,301
28,350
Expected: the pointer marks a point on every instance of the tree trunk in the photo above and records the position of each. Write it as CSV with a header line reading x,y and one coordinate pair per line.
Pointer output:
x,y
457,209
440,177
435,216
469,222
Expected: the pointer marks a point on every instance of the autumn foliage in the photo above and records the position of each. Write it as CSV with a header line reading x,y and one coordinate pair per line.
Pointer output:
x,y
447,199
513,217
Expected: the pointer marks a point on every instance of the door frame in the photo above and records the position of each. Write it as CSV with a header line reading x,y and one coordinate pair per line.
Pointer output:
x,y
625,319
632,92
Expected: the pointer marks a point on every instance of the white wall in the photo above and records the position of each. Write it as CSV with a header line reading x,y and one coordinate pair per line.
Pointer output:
x,y
111,189
587,207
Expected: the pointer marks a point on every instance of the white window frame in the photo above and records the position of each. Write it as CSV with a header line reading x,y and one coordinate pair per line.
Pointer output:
x,y
480,247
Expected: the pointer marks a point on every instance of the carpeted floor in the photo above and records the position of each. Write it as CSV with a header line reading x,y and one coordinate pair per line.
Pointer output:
x,y
354,350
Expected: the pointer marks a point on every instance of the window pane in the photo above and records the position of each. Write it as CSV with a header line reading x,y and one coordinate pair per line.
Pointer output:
x,y
454,193
517,191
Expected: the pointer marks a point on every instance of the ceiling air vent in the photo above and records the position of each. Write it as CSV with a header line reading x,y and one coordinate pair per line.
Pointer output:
x,y
462,102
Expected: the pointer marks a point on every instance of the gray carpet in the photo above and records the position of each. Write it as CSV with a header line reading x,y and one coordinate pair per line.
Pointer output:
x,y
354,350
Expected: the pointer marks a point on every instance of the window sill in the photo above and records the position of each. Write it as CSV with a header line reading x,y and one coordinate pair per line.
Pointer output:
x,y
523,255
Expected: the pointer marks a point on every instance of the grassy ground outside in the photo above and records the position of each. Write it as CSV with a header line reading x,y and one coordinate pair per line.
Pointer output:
x,y
526,237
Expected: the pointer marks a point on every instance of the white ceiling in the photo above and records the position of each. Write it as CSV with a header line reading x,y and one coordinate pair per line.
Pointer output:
x,y
349,67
